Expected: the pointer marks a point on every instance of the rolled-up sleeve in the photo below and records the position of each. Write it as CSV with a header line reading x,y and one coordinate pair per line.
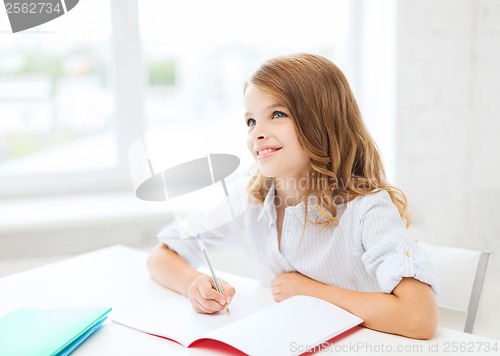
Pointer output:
x,y
187,248
219,230
224,238
389,252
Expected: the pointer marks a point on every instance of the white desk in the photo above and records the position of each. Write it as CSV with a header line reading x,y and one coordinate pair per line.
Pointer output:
x,y
117,277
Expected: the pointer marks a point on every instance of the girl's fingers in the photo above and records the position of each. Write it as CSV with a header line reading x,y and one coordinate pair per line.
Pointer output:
x,y
212,294
229,291
210,300
209,306
201,308
206,299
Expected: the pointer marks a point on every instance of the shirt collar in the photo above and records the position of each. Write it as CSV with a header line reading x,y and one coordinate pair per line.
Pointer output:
x,y
313,213
268,205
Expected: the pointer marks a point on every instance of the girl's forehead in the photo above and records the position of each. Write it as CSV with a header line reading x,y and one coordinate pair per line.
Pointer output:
x,y
260,93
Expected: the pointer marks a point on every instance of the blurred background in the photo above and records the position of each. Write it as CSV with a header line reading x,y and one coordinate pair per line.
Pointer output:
x,y
77,91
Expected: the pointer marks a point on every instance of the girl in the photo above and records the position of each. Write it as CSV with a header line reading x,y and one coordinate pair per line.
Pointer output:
x,y
323,220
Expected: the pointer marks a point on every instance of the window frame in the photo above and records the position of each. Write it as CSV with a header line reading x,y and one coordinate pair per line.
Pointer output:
x,y
127,79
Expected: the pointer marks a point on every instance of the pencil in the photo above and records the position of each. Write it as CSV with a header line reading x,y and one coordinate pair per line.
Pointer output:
x,y
212,271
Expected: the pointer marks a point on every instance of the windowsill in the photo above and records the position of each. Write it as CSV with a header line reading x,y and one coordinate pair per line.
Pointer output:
x,y
73,211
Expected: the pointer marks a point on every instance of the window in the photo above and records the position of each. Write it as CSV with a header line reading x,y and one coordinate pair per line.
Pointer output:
x,y
76,92
57,122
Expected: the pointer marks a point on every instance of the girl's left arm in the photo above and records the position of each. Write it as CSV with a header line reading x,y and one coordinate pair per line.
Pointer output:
x,y
410,310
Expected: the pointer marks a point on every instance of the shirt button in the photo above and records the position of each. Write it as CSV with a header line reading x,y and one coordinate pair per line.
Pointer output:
x,y
407,253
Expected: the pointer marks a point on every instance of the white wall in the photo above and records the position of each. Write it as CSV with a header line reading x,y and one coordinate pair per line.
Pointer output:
x,y
448,129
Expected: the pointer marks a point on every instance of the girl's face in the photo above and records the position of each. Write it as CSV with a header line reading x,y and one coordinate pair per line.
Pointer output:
x,y
272,138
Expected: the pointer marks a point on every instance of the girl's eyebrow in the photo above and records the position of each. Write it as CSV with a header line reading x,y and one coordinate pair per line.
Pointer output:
x,y
268,108
276,106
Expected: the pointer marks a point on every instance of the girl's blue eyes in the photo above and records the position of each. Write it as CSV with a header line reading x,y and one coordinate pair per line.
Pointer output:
x,y
276,115
251,122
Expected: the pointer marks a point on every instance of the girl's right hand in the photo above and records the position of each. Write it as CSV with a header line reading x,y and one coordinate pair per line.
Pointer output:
x,y
203,295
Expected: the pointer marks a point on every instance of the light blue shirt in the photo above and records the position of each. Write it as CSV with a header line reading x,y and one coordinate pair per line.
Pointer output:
x,y
370,249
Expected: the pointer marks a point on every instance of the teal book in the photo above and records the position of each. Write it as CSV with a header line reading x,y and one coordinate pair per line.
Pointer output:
x,y
49,331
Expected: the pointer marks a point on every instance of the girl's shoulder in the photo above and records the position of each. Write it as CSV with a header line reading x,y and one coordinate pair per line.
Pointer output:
x,y
377,196
363,203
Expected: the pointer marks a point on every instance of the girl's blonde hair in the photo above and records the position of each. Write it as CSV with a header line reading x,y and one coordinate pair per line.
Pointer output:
x,y
344,159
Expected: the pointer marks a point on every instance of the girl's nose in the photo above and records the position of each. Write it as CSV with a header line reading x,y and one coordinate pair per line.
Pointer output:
x,y
258,132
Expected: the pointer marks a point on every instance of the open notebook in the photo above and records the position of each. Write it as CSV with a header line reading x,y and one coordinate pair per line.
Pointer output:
x,y
251,327
48,331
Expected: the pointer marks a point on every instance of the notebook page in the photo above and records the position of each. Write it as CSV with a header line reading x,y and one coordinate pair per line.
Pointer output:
x,y
284,328
174,318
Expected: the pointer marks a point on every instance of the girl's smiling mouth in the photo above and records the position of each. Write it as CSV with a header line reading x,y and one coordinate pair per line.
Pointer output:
x,y
264,152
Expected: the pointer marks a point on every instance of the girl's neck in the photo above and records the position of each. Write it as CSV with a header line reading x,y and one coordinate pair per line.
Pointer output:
x,y
289,192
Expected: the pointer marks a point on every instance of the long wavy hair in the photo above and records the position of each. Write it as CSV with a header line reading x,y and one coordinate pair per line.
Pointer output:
x,y
345,162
